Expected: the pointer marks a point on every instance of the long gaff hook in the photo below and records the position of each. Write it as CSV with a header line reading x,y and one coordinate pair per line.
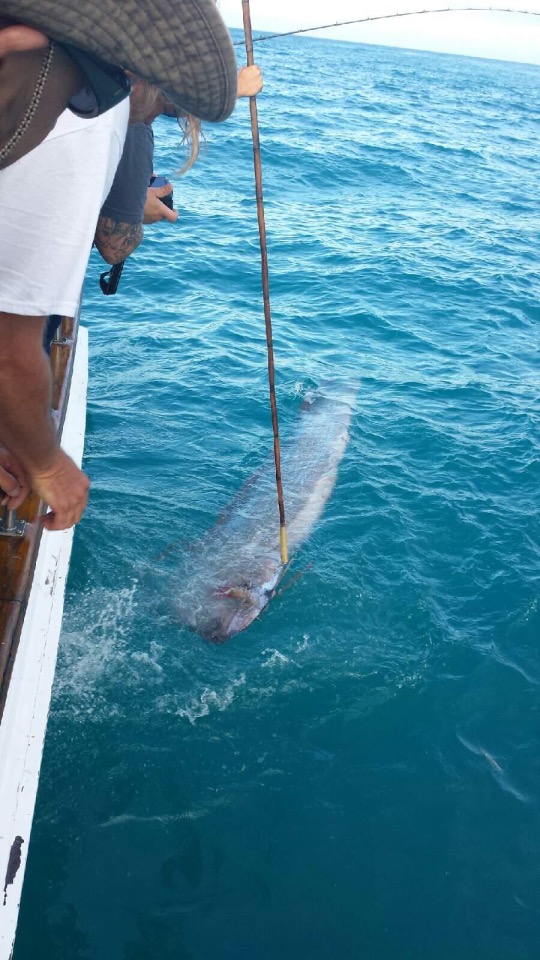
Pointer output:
x,y
265,286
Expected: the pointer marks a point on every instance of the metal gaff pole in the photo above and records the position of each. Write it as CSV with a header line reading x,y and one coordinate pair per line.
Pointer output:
x,y
265,285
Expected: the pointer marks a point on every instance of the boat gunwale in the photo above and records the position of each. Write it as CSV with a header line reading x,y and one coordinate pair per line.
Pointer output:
x,y
18,557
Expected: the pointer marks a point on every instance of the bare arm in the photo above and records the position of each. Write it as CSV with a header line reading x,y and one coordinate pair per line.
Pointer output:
x,y
117,241
27,429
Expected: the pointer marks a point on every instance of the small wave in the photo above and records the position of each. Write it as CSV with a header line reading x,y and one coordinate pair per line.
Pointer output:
x,y
497,771
508,662
210,700
451,150
130,818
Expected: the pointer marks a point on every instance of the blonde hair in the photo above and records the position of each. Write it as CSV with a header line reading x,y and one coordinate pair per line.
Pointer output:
x,y
148,97
191,136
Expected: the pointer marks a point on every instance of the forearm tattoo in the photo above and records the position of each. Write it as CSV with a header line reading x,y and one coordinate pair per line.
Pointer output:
x,y
116,241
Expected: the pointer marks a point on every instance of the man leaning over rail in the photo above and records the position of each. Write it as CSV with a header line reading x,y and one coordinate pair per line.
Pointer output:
x,y
54,178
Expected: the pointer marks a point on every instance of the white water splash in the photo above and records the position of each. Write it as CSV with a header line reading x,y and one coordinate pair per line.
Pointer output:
x,y
276,659
211,700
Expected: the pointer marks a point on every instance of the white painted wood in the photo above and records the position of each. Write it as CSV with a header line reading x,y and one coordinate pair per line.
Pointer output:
x,y
22,731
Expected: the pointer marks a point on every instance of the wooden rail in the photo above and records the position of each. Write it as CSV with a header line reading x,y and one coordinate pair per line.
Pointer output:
x,y
18,556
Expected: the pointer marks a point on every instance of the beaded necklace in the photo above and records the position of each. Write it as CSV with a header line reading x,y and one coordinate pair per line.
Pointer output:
x,y
32,106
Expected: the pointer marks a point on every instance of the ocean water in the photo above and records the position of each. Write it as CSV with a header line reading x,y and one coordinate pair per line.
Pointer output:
x,y
358,774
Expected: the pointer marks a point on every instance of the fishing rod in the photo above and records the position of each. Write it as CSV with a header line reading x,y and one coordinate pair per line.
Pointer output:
x,y
391,16
266,289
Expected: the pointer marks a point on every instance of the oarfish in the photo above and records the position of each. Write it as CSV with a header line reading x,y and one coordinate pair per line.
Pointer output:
x,y
233,572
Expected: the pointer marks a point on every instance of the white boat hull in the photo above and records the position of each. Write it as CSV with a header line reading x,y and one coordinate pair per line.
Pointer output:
x,y
24,722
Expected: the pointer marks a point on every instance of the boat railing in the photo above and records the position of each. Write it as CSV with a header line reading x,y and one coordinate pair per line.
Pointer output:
x,y
20,533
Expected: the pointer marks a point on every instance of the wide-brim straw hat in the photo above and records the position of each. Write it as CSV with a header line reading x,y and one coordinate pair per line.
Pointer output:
x,y
181,46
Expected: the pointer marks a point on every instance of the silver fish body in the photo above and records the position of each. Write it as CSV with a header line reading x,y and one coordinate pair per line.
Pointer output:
x,y
232,574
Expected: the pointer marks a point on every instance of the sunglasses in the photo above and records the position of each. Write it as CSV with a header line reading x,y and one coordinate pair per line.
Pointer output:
x,y
106,85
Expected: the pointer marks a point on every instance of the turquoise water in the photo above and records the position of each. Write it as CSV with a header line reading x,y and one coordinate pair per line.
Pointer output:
x,y
357,775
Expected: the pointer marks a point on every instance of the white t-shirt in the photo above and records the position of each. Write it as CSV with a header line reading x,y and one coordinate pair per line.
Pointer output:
x,y
49,207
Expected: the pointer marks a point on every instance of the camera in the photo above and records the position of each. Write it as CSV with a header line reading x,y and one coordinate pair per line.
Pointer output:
x,y
161,182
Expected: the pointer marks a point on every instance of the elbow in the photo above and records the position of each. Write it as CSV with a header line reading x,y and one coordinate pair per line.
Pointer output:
x,y
111,258
117,241
110,255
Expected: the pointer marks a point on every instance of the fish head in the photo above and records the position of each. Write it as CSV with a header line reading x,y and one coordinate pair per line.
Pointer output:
x,y
231,609
219,612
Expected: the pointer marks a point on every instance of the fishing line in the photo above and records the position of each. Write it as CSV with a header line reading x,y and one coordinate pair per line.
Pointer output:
x,y
266,289
390,16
